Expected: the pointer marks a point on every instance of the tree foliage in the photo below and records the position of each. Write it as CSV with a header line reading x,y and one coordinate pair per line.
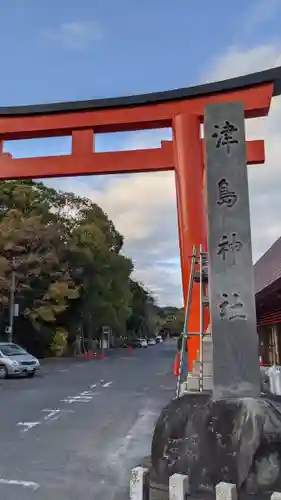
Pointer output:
x,y
66,255
143,320
172,320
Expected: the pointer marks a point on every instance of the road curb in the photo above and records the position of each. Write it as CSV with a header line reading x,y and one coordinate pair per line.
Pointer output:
x,y
68,359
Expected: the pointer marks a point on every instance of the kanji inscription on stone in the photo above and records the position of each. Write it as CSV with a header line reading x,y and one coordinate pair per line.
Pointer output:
x,y
236,370
225,135
229,245
231,308
225,195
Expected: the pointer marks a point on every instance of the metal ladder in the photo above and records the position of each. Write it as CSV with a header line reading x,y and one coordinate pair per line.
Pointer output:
x,y
201,277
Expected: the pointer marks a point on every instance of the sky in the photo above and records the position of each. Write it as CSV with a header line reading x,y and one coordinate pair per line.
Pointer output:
x,y
74,50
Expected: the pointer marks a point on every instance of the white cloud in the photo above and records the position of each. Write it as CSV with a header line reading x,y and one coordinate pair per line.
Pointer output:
x,y
74,35
237,61
143,208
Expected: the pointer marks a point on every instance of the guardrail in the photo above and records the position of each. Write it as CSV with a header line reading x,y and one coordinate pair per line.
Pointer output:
x,y
179,487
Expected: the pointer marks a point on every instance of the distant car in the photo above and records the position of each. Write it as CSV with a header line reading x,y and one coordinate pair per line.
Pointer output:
x,y
16,361
151,341
143,343
159,339
136,343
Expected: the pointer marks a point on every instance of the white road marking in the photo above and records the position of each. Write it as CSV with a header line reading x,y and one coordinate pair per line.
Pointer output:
x,y
92,386
107,384
70,401
64,370
28,425
55,414
88,393
25,484
78,399
83,397
52,414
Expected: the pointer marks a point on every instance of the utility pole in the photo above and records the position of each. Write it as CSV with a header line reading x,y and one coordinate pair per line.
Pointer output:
x,y
12,302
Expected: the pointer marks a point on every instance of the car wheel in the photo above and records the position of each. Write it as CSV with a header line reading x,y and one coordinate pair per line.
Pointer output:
x,y
30,375
3,372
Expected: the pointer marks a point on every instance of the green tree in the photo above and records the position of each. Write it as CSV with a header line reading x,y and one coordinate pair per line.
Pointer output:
x,y
65,251
32,250
143,317
174,323
101,272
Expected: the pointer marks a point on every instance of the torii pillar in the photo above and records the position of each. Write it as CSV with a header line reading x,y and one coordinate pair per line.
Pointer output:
x,y
189,172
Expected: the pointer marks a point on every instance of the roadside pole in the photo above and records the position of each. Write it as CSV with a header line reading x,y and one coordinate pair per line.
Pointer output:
x,y
12,302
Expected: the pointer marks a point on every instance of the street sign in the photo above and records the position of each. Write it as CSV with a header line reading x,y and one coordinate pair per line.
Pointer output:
x,y
236,371
8,329
16,310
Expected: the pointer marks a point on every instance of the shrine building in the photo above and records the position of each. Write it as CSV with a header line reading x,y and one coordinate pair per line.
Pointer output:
x,y
267,272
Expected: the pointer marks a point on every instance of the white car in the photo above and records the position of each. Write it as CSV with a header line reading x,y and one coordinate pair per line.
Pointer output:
x,y
16,361
143,342
151,341
159,339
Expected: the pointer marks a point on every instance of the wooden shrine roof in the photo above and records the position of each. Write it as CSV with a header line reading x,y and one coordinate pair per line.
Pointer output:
x,y
267,270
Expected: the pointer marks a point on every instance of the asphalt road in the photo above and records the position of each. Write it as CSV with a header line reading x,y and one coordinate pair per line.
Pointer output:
x,y
75,431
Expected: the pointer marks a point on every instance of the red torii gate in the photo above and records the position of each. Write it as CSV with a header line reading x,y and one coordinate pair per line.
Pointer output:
x,y
181,109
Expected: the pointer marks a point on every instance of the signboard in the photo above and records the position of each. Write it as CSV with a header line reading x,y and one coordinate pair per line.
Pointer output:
x,y
236,371
16,310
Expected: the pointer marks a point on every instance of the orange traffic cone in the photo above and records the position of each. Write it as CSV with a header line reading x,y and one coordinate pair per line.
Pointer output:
x,y
177,365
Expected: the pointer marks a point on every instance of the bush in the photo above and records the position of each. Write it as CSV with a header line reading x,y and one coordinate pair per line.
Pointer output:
x,y
59,342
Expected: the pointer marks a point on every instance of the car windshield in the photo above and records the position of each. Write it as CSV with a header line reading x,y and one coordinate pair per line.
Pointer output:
x,y
12,350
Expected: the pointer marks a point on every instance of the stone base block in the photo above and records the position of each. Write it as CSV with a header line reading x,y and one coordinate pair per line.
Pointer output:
x,y
192,382
235,441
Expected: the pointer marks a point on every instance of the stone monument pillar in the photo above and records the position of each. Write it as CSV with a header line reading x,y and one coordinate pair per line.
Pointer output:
x,y
236,371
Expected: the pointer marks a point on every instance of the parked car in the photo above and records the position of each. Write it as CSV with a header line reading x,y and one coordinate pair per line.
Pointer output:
x,y
143,343
16,361
159,339
135,343
151,341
